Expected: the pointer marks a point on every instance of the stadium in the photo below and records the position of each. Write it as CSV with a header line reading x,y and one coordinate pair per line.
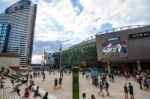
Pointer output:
x,y
124,48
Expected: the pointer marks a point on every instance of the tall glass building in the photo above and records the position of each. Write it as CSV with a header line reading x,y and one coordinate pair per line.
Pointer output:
x,y
17,30
4,35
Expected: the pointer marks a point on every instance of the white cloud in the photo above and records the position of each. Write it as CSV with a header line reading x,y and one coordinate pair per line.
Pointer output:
x,y
65,15
58,20
36,59
119,12
116,12
95,13
5,3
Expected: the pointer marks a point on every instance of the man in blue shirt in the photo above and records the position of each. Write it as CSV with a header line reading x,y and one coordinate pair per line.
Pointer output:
x,y
131,91
36,92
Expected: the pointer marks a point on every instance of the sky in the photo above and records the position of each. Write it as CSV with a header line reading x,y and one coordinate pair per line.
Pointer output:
x,y
75,20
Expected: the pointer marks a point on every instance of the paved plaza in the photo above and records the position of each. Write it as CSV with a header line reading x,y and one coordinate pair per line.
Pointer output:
x,y
116,89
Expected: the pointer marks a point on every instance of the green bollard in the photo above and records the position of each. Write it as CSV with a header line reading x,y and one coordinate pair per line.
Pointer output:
x,y
75,85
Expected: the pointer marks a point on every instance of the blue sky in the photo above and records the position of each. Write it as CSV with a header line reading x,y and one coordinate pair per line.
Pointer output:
x,y
59,20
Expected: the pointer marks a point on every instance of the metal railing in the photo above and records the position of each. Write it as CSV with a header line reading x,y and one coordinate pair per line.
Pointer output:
x,y
92,37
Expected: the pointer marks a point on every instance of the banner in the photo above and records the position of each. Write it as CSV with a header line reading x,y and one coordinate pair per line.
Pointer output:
x,y
48,58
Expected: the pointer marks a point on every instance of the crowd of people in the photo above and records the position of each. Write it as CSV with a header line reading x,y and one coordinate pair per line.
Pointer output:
x,y
28,89
103,84
142,78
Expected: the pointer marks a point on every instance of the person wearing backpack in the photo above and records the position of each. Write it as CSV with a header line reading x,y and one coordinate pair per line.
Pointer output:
x,y
101,87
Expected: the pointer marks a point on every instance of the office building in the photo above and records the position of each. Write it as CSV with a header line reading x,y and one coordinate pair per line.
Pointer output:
x,y
17,30
4,35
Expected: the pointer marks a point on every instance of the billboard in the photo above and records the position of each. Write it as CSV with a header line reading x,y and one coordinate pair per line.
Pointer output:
x,y
114,47
49,58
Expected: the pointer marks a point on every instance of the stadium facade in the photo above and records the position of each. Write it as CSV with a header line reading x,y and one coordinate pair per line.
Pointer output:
x,y
124,48
83,54
17,30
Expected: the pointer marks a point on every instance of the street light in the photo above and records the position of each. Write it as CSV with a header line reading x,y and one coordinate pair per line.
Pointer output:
x,y
61,50
42,63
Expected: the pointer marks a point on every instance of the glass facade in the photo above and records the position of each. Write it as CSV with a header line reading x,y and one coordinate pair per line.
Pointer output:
x,y
4,35
18,6
21,16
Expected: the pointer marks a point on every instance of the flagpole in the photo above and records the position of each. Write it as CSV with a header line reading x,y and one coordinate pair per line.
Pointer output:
x,y
42,61
60,55
62,51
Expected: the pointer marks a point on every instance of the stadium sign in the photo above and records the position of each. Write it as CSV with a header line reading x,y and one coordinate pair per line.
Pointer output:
x,y
139,35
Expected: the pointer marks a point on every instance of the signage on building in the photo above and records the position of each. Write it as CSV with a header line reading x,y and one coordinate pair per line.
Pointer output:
x,y
112,39
139,35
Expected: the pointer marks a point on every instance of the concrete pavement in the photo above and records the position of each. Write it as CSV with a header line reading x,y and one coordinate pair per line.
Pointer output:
x,y
116,89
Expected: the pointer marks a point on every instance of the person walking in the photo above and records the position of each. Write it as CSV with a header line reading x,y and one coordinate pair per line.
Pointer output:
x,y
16,87
38,73
43,76
26,94
60,82
45,96
61,73
112,76
145,83
12,81
140,82
30,76
131,91
101,86
1,82
84,96
106,87
93,97
55,83
126,91
31,84
126,75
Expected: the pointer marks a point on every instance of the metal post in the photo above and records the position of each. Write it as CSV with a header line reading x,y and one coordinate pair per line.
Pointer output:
x,y
62,51
108,63
42,64
60,55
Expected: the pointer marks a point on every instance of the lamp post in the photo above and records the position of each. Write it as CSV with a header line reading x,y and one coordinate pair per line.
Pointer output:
x,y
42,63
61,51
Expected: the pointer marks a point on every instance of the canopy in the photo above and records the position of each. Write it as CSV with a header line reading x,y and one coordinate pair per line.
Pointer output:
x,y
24,68
17,68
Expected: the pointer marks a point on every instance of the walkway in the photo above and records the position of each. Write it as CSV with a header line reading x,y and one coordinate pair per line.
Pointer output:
x,y
116,89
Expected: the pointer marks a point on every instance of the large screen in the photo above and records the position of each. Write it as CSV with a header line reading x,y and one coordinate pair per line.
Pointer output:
x,y
114,47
